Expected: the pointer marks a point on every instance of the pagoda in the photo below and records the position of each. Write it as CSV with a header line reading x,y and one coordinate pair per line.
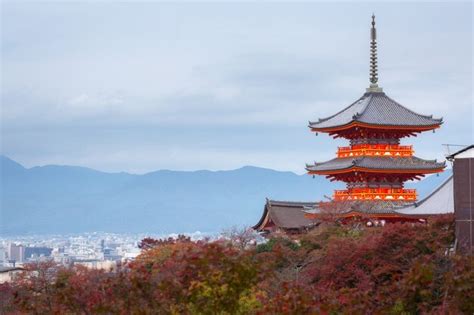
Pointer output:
x,y
374,165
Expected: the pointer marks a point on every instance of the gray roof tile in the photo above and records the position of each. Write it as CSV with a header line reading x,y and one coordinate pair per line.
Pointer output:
x,y
286,214
376,108
369,162
440,201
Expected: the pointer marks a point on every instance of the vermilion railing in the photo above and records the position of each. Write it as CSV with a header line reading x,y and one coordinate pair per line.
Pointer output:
x,y
395,194
390,150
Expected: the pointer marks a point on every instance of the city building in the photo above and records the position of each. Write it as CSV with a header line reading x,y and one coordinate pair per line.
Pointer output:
x,y
34,252
7,274
3,256
16,253
111,254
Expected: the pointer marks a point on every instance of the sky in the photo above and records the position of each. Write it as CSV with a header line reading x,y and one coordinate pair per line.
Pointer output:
x,y
142,86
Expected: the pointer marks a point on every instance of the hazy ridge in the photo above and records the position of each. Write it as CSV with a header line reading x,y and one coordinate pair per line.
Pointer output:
x,y
70,199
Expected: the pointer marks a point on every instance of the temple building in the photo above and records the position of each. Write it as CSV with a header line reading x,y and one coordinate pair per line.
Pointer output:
x,y
374,166
286,216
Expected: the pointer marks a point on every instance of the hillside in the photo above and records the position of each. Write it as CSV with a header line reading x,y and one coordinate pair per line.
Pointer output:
x,y
68,199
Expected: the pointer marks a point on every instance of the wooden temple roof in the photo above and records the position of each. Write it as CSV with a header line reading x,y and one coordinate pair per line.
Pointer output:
x,y
300,215
376,109
284,215
371,163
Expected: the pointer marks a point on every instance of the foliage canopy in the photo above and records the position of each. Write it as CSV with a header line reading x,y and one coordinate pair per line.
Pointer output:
x,y
396,269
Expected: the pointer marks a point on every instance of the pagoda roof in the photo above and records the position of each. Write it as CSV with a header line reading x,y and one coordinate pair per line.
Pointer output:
x,y
285,215
377,110
370,163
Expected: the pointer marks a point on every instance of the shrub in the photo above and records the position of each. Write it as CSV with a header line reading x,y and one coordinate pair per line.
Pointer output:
x,y
335,269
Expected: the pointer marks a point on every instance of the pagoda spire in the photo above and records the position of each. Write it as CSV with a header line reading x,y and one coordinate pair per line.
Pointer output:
x,y
373,59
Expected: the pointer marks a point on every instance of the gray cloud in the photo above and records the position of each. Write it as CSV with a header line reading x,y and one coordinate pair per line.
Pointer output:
x,y
146,86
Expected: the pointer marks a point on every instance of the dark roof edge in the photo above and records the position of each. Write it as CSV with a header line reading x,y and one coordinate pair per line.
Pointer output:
x,y
264,215
368,94
356,160
434,126
451,157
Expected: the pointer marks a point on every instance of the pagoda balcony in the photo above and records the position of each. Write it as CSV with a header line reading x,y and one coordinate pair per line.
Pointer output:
x,y
379,150
392,194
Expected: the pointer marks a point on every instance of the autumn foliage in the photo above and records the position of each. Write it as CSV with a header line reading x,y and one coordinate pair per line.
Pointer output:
x,y
335,269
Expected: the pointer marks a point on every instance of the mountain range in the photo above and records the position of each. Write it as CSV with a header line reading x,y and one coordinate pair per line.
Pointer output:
x,y
56,199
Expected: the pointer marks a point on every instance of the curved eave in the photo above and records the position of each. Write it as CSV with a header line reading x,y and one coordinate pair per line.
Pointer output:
x,y
376,170
263,220
353,124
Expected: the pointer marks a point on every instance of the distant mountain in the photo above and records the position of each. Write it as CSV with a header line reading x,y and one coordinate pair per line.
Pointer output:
x,y
69,199
8,166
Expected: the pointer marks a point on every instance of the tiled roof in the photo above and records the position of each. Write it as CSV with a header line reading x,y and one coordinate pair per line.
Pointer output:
x,y
376,108
286,214
440,201
453,156
370,162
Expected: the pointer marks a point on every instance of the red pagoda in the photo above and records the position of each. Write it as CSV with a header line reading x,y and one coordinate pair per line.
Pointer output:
x,y
374,166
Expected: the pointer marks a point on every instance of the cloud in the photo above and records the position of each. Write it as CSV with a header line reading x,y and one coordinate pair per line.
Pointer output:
x,y
100,82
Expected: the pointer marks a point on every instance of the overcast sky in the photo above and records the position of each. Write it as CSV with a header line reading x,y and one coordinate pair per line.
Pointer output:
x,y
144,86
